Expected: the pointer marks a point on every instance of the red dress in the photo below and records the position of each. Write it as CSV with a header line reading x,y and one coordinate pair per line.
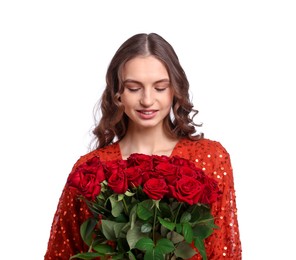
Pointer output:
x,y
211,156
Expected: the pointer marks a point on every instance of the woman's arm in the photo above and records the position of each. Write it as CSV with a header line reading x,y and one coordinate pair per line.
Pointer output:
x,y
65,239
225,242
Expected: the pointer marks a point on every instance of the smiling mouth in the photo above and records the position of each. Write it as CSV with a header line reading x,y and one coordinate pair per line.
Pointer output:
x,y
147,114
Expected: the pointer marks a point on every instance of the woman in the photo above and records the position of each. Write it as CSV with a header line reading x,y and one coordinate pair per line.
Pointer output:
x,y
146,109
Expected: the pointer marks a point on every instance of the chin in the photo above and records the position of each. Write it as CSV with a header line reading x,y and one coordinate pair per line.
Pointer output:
x,y
148,125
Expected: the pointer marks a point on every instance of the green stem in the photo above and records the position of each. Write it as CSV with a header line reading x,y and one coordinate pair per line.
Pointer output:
x,y
154,223
204,221
125,208
103,209
96,206
196,205
90,247
180,206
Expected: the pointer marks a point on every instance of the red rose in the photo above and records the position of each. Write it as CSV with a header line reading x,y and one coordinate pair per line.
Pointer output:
x,y
176,160
147,175
187,189
190,172
114,166
155,188
86,178
143,160
134,176
187,168
167,170
118,182
160,158
211,191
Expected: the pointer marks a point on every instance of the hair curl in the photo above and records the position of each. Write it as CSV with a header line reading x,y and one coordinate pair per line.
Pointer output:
x,y
113,123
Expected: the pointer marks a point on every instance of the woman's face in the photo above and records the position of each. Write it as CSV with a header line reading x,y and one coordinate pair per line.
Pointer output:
x,y
147,95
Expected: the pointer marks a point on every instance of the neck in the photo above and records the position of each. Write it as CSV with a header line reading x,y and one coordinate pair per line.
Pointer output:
x,y
146,141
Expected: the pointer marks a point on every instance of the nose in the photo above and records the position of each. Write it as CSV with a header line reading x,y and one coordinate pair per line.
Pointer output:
x,y
147,98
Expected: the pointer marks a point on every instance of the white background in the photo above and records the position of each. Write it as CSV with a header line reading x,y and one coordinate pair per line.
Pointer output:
x,y
239,57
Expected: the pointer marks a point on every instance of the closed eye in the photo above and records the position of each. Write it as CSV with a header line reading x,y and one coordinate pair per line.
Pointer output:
x,y
160,89
133,89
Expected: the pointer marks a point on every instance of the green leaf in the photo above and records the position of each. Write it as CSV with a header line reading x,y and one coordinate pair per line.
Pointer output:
x,y
200,212
117,206
118,227
86,230
203,230
184,251
103,248
118,257
163,231
164,246
186,217
187,232
101,196
199,244
206,220
165,211
88,255
122,245
144,209
153,255
112,229
120,197
129,194
122,218
133,216
175,237
131,256
145,244
134,235
146,228
179,228
167,223
108,229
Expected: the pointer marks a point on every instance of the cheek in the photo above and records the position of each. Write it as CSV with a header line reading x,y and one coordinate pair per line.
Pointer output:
x,y
171,97
169,101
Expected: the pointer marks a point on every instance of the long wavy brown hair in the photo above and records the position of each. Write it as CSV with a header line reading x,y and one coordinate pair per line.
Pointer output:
x,y
114,122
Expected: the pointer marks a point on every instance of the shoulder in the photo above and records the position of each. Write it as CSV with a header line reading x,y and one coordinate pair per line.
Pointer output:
x,y
201,150
107,153
209,155
201,146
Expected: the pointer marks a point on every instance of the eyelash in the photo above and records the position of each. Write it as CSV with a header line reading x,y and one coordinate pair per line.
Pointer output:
x,y
133,89
136,89
160,89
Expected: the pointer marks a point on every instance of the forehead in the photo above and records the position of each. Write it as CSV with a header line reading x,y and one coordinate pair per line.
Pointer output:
x,y
144,68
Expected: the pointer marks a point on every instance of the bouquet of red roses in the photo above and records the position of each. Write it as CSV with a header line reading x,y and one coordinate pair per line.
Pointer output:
x,y
145,207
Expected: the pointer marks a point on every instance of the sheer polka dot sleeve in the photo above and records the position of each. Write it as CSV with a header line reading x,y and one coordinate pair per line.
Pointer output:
x,y
225,242
65,239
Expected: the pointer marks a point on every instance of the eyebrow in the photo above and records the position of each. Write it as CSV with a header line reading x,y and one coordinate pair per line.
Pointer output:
x,y
140,83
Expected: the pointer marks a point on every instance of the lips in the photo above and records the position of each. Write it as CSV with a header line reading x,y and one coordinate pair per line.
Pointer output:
x,y
147,114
